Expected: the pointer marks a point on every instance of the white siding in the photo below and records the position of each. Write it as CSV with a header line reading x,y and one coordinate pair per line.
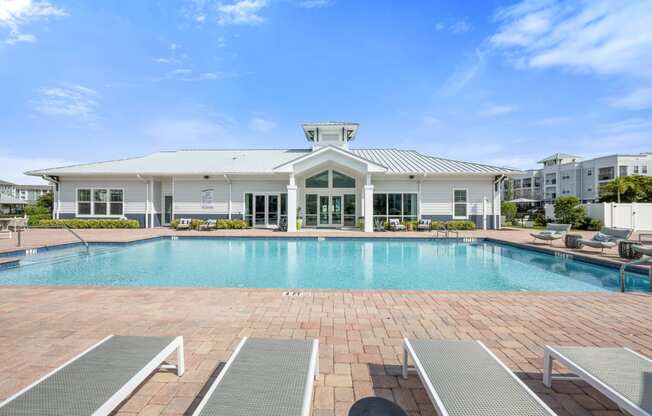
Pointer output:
x,y
187,196
134,194
437,196
382,186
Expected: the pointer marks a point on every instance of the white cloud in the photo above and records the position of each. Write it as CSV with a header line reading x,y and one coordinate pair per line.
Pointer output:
x,y
189,75
261,125
245,12
496,110
14,14
639,99
439,26
313,4
604,37
627,125
69,100
461,26
464,74
13,168
553,121
186,131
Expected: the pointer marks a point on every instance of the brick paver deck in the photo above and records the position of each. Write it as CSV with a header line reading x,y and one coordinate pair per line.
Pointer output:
x,y
360,335
360,331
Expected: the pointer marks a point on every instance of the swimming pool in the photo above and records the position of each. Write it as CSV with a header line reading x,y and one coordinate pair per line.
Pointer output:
x,y
410,264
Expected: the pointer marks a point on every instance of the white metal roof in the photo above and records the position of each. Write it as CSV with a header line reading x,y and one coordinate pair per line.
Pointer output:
x,y
261,161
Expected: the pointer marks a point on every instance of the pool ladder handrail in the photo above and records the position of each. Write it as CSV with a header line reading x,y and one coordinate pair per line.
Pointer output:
x,y
643,261
78,237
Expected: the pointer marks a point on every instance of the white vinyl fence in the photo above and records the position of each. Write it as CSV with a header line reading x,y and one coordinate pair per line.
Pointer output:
x,y
635,216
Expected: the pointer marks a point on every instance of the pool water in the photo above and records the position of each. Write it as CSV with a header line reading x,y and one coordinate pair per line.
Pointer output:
x,y
317,263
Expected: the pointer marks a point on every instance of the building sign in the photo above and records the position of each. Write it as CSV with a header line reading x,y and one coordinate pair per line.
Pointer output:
x,y
207,198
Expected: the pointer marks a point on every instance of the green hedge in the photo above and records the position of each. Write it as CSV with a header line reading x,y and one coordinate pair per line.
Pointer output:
x,y
232,224
454,225
77,223
35,219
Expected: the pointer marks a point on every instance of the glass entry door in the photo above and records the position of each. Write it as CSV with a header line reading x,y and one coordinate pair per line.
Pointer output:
x,y
167,210
329,210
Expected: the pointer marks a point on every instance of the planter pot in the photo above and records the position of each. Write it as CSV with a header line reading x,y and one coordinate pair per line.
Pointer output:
x,y
299,224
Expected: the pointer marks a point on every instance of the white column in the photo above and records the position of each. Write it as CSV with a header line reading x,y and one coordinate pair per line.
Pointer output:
x,y
151,211
368,206
292,205
484,213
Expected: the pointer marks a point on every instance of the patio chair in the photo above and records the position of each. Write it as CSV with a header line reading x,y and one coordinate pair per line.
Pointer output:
x,y
551,233
464,378
98,380
264,377
444,228
395,225
624,376
608,237
210,224
379,225
184,224
424,225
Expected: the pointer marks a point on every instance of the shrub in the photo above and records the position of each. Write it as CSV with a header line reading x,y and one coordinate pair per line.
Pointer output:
x,y
460,225
410,225
540,219
361,224
36,210
195,223
34,220
569,210
509,210
174,223
231,224
78,223
590,224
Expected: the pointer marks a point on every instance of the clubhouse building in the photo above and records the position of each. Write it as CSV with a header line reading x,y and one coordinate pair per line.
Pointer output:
x,y
328,185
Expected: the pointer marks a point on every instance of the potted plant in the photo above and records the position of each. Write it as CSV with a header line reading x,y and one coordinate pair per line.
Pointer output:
x,y
299,219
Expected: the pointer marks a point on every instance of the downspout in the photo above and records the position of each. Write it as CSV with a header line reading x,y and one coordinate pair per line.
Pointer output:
x,y
419,214
226,177
146,199
57,209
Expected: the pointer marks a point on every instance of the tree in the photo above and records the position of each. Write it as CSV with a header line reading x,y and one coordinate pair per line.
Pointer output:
x,y
627,189
569,210
46,200
509,210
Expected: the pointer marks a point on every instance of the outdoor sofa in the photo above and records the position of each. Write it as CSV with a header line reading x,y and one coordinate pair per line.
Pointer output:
x,y
98,380
264,377
623,375
395,225
424,225
210,224
464,378
551,233
608,237
184,224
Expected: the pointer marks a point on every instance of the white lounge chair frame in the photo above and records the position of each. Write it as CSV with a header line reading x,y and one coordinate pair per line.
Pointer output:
x,y
550,354
408,351
130,386
313,372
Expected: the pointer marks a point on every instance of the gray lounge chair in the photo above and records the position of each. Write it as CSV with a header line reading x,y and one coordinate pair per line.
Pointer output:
x,y
210,224
379,225
551,233
612,237
395,225
624,376
184,224
424,225
464,378
264,377
98,380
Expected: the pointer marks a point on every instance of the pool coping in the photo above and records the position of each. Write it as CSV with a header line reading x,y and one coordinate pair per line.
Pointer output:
x,y
551,251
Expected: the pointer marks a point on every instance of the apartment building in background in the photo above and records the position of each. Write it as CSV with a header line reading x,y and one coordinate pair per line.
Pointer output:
x,y
564,175
29,193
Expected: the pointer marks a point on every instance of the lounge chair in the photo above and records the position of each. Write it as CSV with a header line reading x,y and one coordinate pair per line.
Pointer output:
x,y
621,374
551,233
184,224
264,377
379,225
424,225
443,228
98,380
208,225
608,237
464,378
395,225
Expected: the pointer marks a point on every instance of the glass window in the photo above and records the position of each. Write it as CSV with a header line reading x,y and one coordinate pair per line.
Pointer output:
x,y
606,174
83,202
115,196
100,201
644,169
311,210
394,205
527,183
342,181
460,203
622,170
409,206
284,204
318,181
380,204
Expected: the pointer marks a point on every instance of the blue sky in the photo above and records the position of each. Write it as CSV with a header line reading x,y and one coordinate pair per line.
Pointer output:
x,y
501,82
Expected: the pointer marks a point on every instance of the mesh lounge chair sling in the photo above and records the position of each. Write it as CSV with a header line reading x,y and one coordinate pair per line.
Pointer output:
x,y
621,374
552,232
98,380
264,377
464,378
613,236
